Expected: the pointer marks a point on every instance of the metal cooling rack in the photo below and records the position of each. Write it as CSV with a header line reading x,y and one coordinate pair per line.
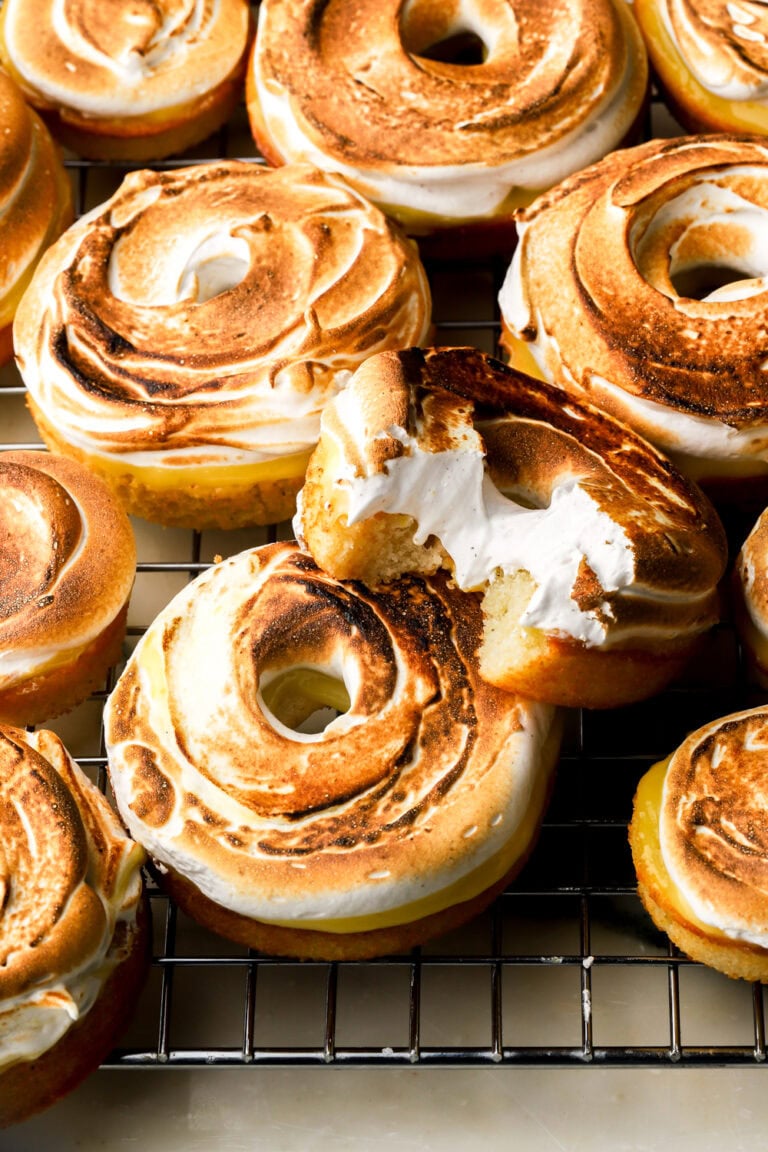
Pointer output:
x,y
564,969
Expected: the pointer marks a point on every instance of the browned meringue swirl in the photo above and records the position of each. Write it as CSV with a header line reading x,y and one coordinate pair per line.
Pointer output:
x,y
214,306
724,44
661,273
53,917
67,561
220,788
714,820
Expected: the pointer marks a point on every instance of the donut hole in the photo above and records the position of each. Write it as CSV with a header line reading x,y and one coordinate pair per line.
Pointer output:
x,y
432,32
216,266
304,700
463,48
708,243
701,281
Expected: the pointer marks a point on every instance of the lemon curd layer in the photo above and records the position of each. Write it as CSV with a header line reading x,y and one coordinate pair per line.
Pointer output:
x,y
739,116
645,826
520,357
171,476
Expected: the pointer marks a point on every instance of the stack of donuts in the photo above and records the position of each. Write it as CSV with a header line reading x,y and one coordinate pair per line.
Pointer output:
x,y
342,744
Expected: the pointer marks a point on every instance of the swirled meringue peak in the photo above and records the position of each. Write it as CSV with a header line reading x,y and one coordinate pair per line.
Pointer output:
x,y
206,314
368,90
713,827
421,776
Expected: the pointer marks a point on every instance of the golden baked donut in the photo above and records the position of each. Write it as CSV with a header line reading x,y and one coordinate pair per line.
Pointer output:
x,y
129,79
711,60
35,201
598,562
182,338
660,313
699,839
74,940
380,92
395,814
67,565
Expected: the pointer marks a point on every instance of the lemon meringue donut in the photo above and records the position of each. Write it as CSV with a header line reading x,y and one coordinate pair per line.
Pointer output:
x,y
67,565
131,79
379,92
339,782
699,839
35,201
182,338
711,60
598,562
660,316
74,941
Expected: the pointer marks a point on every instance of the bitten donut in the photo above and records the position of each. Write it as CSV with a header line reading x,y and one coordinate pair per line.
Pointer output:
x,y
35,201
598,562
316,768
380,92
182,338
129,79
660,310
699,839
74,940
711,60
67,566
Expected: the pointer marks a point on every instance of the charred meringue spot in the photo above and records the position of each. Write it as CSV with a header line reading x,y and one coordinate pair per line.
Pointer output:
x,y
40,528
714,822
155,797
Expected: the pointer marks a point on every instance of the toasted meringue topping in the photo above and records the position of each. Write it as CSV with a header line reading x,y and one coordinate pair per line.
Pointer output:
x,y
360,89
661,308
725,44
509,474
34,198
67,561
220,779
714,824
70,882
124,59
210,312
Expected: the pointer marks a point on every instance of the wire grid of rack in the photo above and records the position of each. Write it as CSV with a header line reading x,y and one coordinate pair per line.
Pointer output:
x,y
564,970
